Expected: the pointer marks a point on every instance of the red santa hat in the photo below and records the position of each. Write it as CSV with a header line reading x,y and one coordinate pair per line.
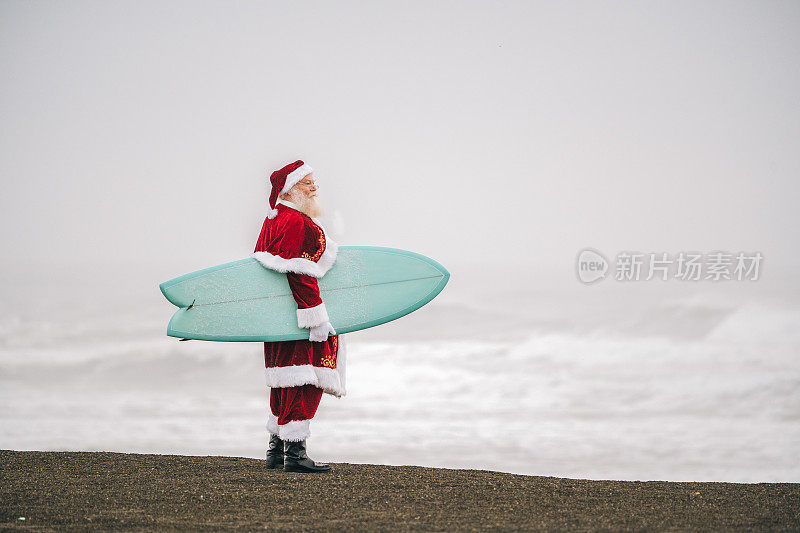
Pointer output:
x,y
283,180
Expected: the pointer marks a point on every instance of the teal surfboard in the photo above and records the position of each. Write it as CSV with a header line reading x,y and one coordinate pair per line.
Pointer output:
x,y
243,301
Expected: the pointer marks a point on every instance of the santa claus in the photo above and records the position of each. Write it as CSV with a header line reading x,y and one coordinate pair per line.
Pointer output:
x,y
298,372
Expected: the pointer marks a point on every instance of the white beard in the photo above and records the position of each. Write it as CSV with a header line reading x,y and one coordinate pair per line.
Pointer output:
x,y
310,206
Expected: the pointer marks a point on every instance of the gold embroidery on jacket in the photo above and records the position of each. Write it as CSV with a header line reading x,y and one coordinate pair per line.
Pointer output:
x,y
330,359
320,244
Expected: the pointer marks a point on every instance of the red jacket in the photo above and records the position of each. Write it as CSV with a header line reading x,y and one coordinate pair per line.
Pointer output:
x,y
293,243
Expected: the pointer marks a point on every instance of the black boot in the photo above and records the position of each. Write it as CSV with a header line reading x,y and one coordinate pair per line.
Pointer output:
x,y
275,453
296,459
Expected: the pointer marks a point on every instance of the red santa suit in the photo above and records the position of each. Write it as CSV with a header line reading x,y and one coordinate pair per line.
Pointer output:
x,y
299,372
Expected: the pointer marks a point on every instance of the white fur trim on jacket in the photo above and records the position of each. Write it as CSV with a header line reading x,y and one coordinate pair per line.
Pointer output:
x,y
341,362
295,430
327,379
272,424
299,265
312,316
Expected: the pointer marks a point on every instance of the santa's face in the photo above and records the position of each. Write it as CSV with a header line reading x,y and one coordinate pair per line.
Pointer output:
x,y
304,194
307,185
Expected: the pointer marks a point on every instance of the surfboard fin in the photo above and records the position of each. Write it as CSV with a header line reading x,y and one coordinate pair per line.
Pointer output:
x,y
181,340
193,301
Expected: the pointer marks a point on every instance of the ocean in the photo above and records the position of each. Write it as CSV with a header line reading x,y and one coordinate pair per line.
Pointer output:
x,y
670,381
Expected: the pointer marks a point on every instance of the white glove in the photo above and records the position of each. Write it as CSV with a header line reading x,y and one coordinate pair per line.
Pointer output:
x,y
320,333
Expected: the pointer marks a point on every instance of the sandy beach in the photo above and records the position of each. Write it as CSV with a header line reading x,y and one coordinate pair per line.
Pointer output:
x,y
45,491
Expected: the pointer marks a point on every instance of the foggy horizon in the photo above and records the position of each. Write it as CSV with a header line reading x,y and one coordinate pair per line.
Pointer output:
x,y
526,132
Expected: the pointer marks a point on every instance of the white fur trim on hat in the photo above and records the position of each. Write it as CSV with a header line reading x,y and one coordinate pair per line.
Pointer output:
x,y
295,176
291,180
299,265
312,316
296,430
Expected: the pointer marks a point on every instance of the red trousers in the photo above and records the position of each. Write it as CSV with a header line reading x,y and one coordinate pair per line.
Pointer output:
x,y
293,362
294,403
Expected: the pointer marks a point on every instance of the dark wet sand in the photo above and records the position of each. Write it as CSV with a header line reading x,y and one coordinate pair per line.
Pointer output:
x,y
114,491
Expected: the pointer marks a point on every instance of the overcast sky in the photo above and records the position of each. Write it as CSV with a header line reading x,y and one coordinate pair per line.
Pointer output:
x,y
143,133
